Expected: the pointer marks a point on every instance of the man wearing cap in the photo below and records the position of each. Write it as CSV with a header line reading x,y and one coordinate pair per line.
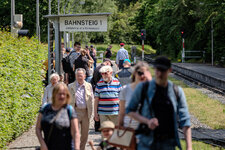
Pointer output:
x,y
122,54
107,96
124,74
163,104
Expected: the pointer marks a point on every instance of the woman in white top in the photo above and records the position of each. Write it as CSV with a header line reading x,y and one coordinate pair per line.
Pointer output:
x,y
141,73
54,79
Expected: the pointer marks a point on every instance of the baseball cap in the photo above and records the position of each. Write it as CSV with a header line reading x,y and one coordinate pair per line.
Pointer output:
x,y
91,46
122,44
126,60
162,63
86,46
107,125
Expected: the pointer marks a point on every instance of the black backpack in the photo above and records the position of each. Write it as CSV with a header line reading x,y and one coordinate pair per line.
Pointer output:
x,y
109,54
66,64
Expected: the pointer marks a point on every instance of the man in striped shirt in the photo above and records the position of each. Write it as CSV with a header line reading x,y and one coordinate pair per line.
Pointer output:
x,y
106,96
121,55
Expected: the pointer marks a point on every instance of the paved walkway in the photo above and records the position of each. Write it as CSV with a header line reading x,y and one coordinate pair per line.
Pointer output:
x,y
29,141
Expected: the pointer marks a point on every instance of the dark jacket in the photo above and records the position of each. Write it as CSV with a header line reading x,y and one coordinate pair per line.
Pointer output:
x,y
96,76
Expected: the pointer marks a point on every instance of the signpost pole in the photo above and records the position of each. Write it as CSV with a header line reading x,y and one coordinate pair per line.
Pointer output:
x,y
37,21
57,47
142,50
49,45
72,39
12,16
183,51
212,39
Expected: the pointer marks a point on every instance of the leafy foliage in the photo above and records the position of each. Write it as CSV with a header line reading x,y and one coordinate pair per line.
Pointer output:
x,y
20,84
164,20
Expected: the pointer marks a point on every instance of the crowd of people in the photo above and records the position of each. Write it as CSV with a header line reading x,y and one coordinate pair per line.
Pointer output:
x,y
130,97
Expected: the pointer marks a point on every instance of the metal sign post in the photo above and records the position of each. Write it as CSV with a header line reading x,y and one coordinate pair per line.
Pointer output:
x,y
75,23
37,21
12,13
143,37
143,44
183,51
212,39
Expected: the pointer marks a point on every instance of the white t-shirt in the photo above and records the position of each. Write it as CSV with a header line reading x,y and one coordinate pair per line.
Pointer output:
x,y
47,98
125,95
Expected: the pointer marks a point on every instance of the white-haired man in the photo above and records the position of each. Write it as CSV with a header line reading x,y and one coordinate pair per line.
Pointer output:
x,y
106,96
82,99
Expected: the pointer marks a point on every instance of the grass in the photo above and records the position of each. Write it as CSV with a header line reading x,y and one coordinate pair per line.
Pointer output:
x,y
196,145
207,110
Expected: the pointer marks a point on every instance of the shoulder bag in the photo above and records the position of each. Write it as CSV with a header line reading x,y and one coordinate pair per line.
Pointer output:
x,y
123,137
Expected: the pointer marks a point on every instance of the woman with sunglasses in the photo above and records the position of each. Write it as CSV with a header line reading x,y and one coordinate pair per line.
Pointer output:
x,y
141,73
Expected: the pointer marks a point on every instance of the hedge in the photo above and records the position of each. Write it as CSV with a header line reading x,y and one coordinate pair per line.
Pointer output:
x,y
20,84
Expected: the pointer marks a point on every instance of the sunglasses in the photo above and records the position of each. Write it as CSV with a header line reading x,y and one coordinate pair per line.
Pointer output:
x,y
140,73
104,73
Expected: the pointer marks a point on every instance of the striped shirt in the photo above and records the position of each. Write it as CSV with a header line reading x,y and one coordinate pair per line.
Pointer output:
x,y
108,94
121,55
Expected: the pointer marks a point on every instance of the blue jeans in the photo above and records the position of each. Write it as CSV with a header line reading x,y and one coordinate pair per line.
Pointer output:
x,y
95,62
159,145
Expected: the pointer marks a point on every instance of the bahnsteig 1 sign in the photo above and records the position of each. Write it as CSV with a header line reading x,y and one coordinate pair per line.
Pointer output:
x,y
83,24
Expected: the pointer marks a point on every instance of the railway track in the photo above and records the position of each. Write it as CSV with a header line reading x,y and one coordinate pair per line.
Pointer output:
x,y
207,138
198,82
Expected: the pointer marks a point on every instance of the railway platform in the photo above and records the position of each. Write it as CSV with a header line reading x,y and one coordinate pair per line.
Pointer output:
x,y
210,75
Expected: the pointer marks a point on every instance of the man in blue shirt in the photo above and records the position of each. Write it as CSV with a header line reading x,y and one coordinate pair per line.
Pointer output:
x,y
163,104
122,54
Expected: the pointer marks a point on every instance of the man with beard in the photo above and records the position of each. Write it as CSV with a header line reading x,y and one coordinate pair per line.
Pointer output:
x,y
107,91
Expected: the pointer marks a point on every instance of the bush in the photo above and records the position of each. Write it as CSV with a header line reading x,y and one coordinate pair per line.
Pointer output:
x,y
20,84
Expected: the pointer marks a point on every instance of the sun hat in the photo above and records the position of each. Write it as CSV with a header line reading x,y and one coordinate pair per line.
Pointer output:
x,y
107,125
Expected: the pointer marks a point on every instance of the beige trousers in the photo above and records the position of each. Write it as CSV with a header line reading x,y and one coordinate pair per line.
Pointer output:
x,y
84,123
113,118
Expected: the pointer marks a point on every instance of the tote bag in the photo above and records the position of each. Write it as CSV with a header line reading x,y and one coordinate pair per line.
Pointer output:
x,y
123,137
